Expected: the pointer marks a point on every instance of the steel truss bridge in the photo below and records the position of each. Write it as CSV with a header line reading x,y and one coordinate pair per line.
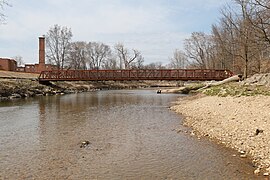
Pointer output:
x,y
135,74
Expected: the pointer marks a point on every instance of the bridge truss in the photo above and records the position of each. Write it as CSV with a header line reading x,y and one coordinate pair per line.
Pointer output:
x,y
137,74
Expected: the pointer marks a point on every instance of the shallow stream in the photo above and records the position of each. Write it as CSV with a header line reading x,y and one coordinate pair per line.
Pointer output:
x,y
131,136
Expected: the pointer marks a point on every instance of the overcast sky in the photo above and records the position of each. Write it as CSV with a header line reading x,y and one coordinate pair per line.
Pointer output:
x,y
154,27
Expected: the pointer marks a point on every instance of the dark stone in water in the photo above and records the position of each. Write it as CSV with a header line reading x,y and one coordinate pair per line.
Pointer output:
x,y
84,144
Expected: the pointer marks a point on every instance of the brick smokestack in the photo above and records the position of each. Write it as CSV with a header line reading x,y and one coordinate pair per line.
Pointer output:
x,y
41,64
42,51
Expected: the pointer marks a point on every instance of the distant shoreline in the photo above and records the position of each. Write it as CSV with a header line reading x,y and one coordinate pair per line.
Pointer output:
x,y
14,85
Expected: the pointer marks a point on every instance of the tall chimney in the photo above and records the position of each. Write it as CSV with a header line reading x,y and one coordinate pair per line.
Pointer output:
x,y
41,51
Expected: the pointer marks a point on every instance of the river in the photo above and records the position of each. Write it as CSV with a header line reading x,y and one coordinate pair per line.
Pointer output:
x,y
131,136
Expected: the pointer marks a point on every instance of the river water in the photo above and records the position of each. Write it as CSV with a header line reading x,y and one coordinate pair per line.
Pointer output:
x,y
131,135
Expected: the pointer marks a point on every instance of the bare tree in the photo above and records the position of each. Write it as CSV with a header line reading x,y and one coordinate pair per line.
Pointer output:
x,y
260,18
236,42
57,41
77,55
224,40
3,3
139,63
155,65
226,37
197,49
110,63
247,42
239,42
179,60
126,57
98,53
19,60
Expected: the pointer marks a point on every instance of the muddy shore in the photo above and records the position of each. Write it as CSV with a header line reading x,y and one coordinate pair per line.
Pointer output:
x,y
241,123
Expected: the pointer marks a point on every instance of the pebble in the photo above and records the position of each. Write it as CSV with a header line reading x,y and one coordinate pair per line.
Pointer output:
x,y
257,171
243,155
237,133
266,174
242,152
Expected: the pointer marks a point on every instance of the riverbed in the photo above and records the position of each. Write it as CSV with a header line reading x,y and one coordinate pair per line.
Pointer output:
x,y
131,133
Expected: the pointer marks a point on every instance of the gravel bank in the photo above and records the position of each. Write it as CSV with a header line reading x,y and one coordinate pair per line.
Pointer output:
x,y
238,122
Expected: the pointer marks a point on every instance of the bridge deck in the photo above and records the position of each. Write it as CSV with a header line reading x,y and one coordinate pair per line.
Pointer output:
x,y
145,74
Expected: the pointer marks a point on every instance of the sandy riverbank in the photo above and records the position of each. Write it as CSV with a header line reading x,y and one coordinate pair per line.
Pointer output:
x,y
238,122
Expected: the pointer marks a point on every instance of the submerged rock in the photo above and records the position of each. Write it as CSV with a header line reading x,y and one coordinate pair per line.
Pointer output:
x,y
84,144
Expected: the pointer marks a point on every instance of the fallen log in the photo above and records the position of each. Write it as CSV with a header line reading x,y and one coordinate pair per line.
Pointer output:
x,y
184,90
230,79
187,89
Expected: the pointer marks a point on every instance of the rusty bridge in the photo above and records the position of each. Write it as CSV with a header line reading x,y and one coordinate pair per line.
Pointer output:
x,y
134,74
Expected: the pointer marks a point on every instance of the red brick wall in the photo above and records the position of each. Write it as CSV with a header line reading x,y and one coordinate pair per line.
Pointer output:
x,y
20,69
42,50
8,64
12,65
30,68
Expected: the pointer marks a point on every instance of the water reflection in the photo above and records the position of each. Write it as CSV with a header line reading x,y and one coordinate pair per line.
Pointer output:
x,y
130,134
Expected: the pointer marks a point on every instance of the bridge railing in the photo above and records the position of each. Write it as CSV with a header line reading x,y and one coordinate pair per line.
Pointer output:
x,y
140,74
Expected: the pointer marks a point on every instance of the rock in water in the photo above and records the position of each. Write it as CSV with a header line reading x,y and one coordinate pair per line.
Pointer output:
x,y
84,144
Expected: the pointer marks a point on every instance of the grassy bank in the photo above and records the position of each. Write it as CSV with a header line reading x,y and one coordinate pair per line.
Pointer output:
x,y
236,89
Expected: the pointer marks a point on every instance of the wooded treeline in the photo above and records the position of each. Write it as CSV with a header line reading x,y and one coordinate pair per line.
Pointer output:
x,y
239,41
64,53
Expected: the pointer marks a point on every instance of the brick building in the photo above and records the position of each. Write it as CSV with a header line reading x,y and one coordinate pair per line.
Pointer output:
x,y
11,65
7,64
41,66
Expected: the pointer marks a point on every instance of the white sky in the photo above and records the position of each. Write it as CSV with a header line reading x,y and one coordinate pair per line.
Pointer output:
x,y
155,27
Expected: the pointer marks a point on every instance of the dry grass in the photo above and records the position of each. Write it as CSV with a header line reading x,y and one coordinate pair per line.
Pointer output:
x,y
17,75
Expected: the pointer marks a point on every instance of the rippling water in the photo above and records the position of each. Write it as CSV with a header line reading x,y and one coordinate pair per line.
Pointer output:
x,y
130,133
